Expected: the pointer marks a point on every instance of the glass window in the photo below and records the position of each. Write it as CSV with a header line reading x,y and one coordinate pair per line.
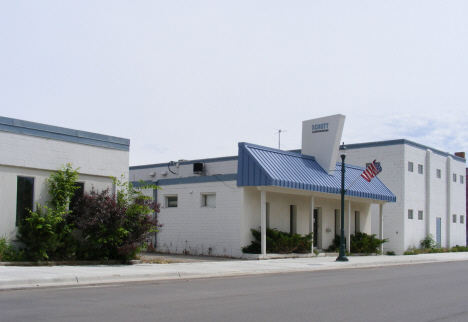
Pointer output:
x,y
454,177
209,200
410,166
462,219
420,215
461,179
24,197
439,173
420,168
79,192
410,213
172,201
454,218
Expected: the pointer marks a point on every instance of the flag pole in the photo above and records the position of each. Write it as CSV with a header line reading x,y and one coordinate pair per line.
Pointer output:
x,y
352,182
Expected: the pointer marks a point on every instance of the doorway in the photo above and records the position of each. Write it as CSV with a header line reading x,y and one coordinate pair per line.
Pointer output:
x,y
315,227
438,231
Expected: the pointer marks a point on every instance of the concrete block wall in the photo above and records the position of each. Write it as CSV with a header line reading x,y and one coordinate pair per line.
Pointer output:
x,y
392,161
184,169
194,229
35,150
419,192
19,150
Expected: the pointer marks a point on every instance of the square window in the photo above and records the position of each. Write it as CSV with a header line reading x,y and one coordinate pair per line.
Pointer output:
x,y
172,201
461,179
420,168
420,215
454,218
24,197
209,200
462,219
454,177
410,213
439,173
410,166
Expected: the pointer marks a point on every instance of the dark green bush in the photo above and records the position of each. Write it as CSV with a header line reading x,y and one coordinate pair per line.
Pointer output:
x,y
335,246
428,242
278,242
367,244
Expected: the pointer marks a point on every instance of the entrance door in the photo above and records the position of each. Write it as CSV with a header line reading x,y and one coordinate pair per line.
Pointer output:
x,y
439,231
315,227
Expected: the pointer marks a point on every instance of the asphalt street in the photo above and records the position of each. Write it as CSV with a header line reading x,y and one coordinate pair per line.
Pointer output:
x,y
423,292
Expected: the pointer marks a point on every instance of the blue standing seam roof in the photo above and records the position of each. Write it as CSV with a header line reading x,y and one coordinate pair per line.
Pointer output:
x,y
262,166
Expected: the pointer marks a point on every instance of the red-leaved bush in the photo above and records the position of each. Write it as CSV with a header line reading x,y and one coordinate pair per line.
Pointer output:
x,y
111,227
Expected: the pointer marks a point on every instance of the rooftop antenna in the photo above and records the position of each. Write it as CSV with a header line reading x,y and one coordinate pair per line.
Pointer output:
x,y
279,137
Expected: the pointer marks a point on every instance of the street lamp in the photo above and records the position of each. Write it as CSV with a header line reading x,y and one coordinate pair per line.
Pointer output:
x,y
342,256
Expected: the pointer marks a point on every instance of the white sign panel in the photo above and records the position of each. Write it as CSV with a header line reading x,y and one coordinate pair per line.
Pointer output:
x,y
321,139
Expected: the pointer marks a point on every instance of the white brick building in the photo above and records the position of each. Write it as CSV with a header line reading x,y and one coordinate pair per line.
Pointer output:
x,y
209,206
430,188
30,151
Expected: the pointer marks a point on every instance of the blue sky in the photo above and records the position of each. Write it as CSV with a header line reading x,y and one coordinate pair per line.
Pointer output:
x,y
191,79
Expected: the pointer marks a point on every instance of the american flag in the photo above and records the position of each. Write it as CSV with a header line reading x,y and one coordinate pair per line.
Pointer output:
x,y
371,171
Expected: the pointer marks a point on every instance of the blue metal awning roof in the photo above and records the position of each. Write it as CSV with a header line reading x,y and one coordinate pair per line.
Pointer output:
x,y
262,166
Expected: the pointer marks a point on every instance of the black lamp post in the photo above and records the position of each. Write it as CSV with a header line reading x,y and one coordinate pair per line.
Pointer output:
x,y
342,255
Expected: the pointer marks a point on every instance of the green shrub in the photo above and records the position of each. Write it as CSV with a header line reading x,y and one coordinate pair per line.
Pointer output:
x,y
45,232
3,246
367,244
278,242
335,246
390,252
459,249
428,242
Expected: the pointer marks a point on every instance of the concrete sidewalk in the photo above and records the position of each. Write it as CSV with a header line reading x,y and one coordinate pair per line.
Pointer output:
x,y
40,276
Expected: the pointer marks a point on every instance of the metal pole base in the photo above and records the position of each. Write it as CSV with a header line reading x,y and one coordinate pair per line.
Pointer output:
x,y
342,259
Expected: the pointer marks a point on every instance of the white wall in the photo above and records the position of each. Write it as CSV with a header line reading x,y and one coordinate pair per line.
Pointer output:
x,y
40,153
193,229
415,191
392,175
24,155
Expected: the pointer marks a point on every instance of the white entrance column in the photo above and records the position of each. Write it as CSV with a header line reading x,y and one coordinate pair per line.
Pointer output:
x,y
263,221
311,221
348,225
381,226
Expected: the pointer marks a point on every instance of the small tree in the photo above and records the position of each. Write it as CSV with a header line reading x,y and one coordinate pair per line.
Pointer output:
x,y
45,232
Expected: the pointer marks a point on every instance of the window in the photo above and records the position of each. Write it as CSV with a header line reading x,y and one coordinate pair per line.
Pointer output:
x,y
410,213
461,179
420,215
209,200
171,201
454,177
462,219
439,173
24,197
78,193
410,166
420,169
454,218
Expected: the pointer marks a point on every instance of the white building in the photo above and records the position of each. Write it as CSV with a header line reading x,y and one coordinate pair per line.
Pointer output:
x,y
430,188
210,205
30,151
